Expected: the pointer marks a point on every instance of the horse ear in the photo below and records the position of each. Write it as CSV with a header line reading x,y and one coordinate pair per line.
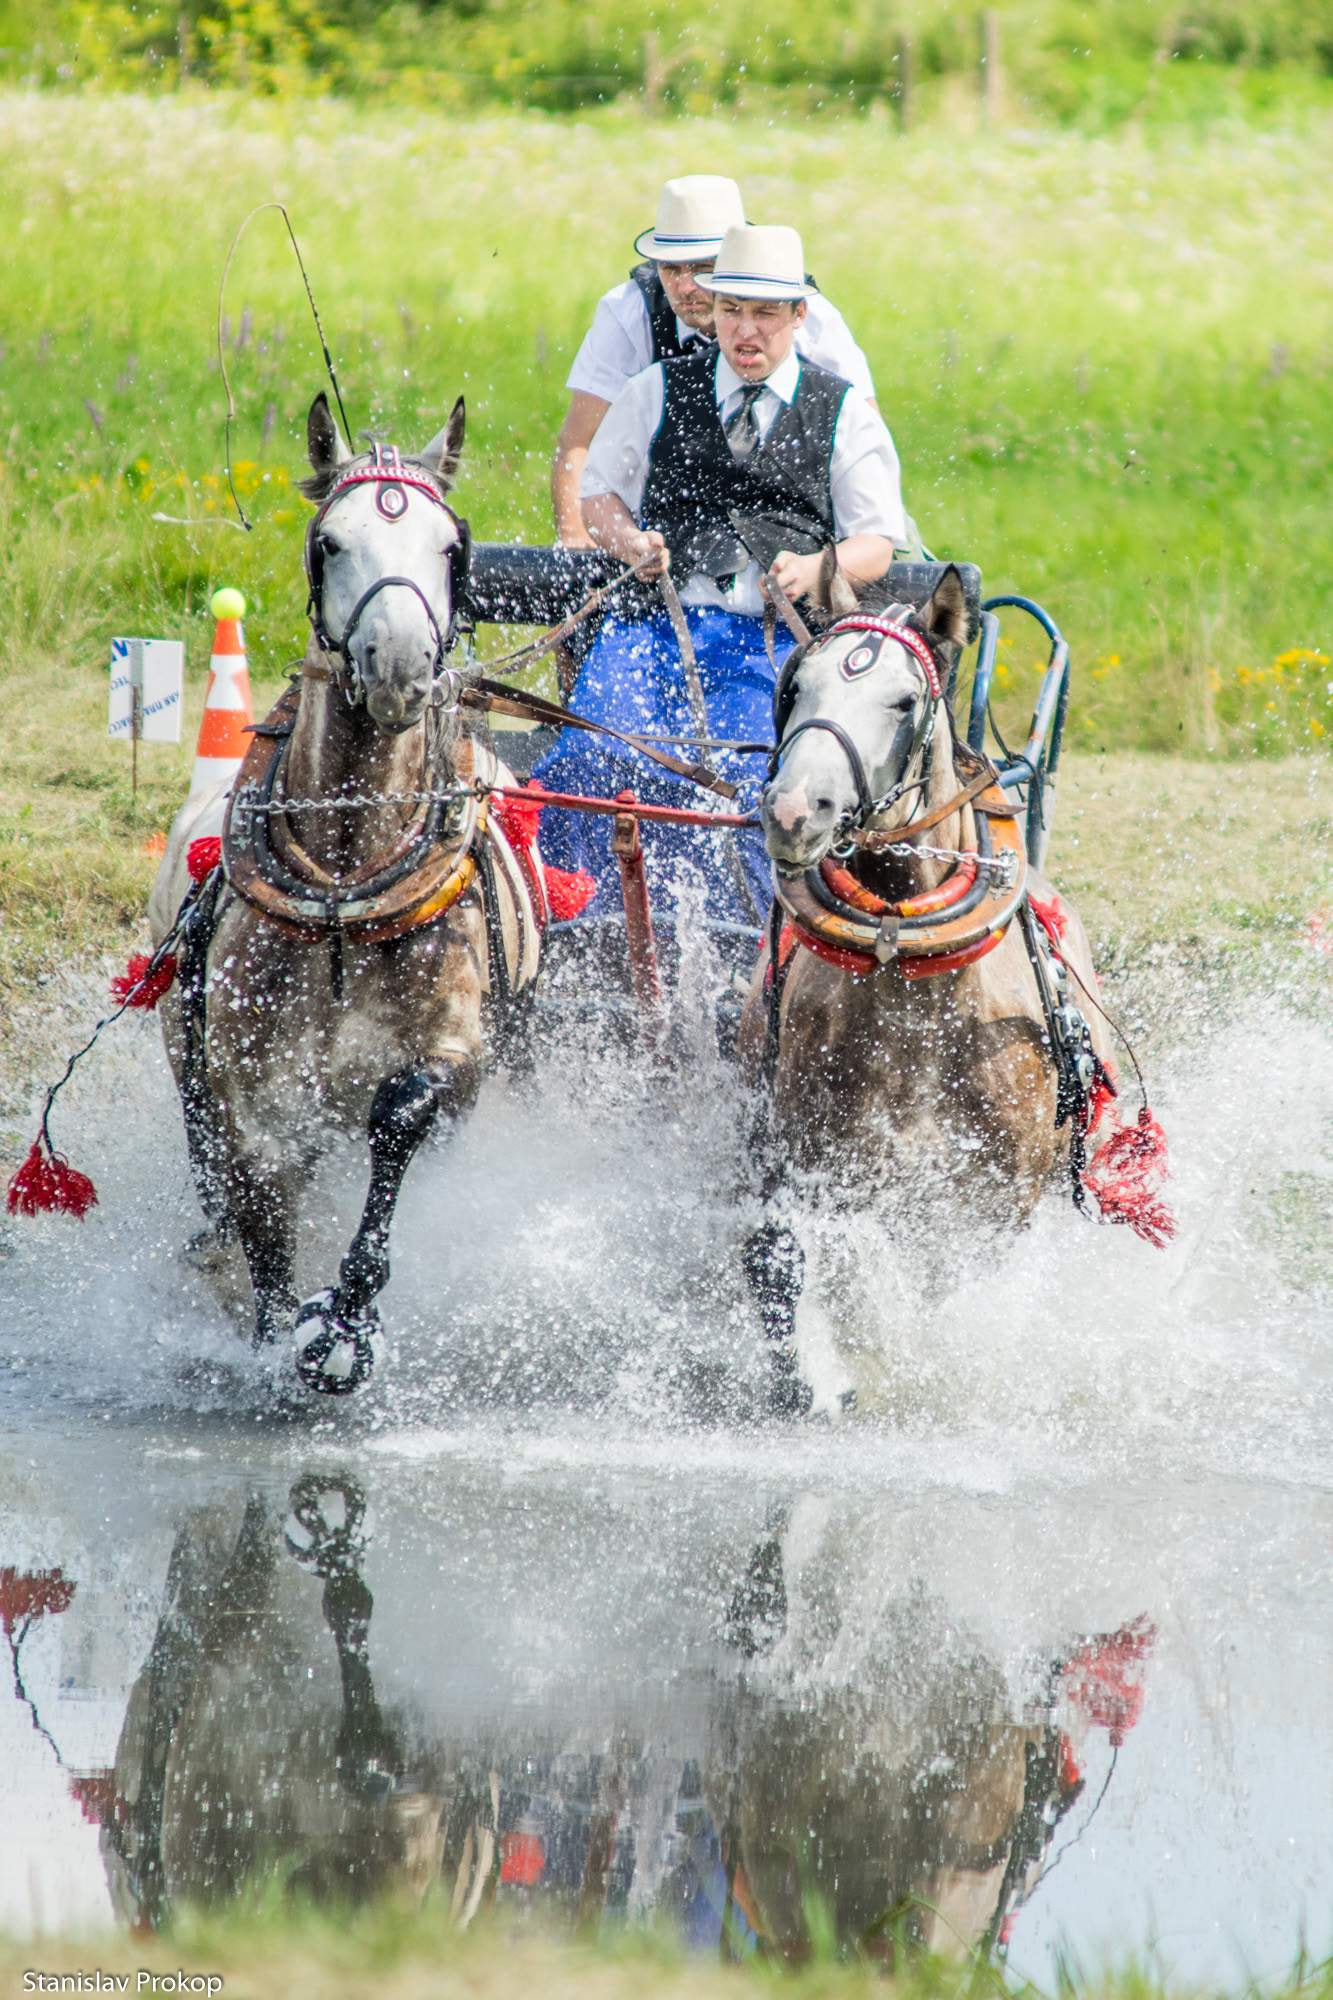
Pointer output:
x,y
324,441
442,454
833,592
944,616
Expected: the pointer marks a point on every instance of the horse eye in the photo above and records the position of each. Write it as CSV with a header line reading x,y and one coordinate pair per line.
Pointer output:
x,y
327,545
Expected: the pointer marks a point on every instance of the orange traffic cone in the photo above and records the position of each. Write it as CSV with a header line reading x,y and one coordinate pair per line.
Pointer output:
x,y
223,738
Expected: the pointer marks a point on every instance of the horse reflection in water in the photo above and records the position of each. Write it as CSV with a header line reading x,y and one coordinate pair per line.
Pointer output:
x,y
881,1784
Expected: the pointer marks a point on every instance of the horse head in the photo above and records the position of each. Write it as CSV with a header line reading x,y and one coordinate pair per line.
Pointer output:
x,y
384,559
853,712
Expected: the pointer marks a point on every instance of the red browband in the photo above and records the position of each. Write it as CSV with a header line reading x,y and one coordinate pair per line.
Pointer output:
x,y
913,641
386,469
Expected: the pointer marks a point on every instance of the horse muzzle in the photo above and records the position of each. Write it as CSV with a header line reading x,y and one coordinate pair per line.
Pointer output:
x,y
396,692
799,826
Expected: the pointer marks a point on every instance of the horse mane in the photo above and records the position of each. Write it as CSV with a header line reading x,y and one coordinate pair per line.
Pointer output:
x,y
317,486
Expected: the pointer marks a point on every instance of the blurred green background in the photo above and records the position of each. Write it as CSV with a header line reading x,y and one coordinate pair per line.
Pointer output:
x,y
1094,62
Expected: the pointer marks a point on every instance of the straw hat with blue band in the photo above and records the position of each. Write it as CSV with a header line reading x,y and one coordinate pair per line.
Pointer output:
x,y
694,214
761,261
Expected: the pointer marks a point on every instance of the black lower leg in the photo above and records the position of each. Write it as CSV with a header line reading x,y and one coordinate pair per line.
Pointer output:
x,y
266,1238
404,1109
775,1270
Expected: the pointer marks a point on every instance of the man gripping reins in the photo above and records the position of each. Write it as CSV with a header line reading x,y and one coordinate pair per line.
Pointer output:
x,y
803,458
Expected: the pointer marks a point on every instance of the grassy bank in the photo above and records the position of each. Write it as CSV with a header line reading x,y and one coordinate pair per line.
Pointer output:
x,y
397,1955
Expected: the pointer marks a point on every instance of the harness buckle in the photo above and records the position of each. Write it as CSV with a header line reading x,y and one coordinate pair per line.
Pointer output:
x,y
886,938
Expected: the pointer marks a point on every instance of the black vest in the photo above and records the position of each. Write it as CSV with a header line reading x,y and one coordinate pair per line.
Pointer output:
x,y
782,493
661,313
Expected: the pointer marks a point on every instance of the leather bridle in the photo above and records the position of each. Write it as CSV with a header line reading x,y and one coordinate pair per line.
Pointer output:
x,y
389,476
886,627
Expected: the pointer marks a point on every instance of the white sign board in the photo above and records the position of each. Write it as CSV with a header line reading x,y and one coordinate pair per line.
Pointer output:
x,y
155,667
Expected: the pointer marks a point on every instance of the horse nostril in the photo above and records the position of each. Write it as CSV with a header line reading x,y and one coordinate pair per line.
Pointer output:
x,y
824,805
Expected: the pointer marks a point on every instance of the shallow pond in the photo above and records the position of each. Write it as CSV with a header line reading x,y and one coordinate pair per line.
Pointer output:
x,y
1032,1652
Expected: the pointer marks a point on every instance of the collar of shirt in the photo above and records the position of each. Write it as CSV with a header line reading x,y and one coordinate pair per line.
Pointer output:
x,y
784,381
689,336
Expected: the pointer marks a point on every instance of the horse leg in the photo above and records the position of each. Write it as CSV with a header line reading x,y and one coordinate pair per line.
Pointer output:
x,y
757,1614
204,1149
774,1266
336,1327
261,1207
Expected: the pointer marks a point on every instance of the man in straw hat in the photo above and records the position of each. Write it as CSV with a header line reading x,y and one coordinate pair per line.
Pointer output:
x,y
719,464
663,309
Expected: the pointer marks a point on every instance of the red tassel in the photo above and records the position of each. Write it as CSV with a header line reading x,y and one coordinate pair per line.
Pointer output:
x,y
1126,1176
47,1184
1052,918
519,820
138,986
97,1797
1103,1679
202,856
26,1594
522,1858
569,892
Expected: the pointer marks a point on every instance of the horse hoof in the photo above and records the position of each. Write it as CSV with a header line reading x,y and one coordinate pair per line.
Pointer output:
x,y
339,1356
275,1317
207,1251
325,1531
789,1394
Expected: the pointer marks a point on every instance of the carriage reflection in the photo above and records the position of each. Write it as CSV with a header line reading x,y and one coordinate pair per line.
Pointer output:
x,y
910,1802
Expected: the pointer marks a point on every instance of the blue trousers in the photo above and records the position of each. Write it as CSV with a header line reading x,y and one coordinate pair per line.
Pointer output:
x,y
632,679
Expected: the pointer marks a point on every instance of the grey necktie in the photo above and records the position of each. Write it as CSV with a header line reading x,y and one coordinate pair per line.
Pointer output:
x,y
743,424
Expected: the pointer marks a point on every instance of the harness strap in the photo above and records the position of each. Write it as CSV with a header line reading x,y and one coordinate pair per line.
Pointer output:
x,y
865,798
859,621
694,689
548,641
489,696
782,604
887,836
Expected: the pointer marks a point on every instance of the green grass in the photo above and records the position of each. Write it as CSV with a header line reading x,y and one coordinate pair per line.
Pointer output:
x,y
1105,362
395,1953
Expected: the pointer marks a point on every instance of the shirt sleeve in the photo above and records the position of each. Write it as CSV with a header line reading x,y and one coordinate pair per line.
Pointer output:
x,y
618,455
824,337
616,346
865,478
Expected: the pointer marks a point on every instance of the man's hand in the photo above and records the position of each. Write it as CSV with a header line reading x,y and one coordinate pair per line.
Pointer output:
x,y
615,529
647,542
796,575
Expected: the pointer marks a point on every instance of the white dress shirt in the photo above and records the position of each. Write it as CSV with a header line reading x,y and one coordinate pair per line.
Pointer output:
x,y
619,343
863,476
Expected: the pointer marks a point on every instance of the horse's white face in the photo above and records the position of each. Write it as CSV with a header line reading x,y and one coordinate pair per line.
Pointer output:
x,y
394,644
875,690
